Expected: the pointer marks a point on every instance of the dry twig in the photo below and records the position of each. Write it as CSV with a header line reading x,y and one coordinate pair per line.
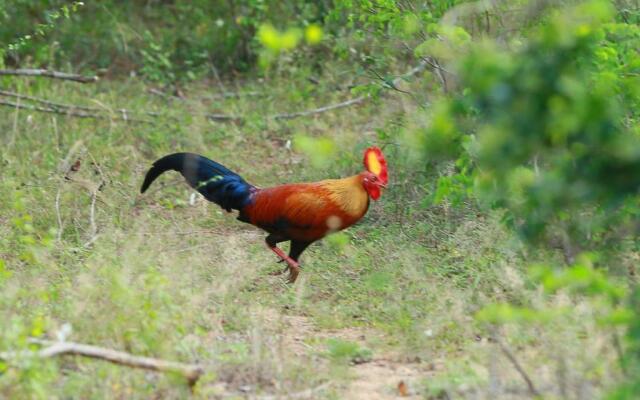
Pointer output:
x,y
505,350
320,110
231,118
49,74
69,112
67,109
192,372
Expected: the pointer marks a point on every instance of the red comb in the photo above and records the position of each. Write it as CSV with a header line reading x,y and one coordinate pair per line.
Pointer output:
x,y
382,173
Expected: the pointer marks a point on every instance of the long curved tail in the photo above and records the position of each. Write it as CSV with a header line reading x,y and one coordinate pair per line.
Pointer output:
x,y
214,181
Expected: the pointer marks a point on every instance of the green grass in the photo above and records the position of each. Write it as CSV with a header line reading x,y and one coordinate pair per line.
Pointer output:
x,y
167,279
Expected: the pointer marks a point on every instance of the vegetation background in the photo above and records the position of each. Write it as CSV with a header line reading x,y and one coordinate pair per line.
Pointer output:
x,y
501,263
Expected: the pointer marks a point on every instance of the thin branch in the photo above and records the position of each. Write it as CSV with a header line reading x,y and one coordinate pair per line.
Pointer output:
x,y
49,74
66,108
192,372
48,103
70,113
214,96
164,95
307,113
226,95
388,84
224,118
284,116
217,76
505,350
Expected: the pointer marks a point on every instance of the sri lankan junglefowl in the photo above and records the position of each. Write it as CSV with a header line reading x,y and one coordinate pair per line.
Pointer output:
x,y
299,212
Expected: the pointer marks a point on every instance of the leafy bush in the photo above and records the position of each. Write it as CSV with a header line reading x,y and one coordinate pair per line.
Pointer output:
x,y
166,41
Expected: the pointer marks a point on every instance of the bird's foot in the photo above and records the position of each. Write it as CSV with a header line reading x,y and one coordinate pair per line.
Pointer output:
x,y
294,270
293,266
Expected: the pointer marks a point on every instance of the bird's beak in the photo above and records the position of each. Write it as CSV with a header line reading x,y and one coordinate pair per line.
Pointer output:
x,y
382,185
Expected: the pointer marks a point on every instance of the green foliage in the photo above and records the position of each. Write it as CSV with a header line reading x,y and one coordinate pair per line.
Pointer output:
x,y
547,131
40,30
165,42
520,137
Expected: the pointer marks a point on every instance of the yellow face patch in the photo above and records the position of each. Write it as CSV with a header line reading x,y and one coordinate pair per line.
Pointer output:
x,y
373,164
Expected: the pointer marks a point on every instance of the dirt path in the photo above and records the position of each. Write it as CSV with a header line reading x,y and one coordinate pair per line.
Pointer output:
x,y
381,378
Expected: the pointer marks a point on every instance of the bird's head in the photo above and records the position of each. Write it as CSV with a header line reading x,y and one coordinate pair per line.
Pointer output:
x,y
376,177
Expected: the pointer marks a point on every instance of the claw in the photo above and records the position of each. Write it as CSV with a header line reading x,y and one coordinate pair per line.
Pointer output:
x,y
294,270
292,265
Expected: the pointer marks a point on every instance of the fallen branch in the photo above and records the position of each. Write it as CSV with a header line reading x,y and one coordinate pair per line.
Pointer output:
x,y
80,114
48,103
84,112
66,108
192,372
213,96
224,118
49,74
347,103
505,350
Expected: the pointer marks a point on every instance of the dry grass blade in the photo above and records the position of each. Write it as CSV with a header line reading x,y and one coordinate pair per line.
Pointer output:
x,y
49,74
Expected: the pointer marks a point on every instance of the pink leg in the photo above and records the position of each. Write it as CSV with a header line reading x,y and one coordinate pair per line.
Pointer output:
x,y
294,267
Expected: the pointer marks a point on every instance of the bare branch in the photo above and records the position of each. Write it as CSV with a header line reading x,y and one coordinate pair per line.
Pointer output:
x,y
49,74
505,350
70,110
48,103
224,118
79,114
213,96
192,372
164,95
330,107
284,116
217,76
66,108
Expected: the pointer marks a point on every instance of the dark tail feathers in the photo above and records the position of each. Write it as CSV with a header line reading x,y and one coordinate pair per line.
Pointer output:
x,y
214,181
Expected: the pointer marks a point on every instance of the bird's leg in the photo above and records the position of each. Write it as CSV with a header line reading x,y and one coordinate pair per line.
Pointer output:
x,y
293,266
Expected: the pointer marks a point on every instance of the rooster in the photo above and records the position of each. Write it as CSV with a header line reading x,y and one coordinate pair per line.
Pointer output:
x,y
301,212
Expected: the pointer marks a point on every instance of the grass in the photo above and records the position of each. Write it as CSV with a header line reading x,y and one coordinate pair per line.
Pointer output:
x,y
165,278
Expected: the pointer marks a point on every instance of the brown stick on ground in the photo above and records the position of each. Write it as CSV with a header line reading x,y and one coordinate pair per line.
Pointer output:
x,y
49,74
192,372
516,364
123,116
